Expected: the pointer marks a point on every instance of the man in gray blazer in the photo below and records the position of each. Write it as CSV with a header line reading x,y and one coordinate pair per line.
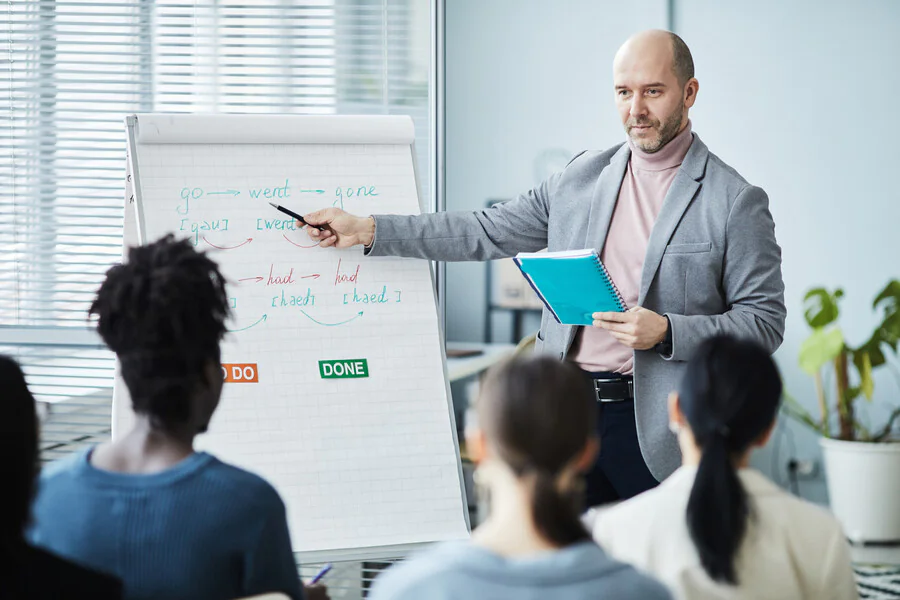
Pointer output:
x,y
689,242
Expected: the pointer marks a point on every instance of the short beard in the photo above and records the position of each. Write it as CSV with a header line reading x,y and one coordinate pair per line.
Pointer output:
x,y
667,132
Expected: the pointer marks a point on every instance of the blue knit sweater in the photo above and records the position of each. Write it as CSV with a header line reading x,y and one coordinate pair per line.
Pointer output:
x,y
202,530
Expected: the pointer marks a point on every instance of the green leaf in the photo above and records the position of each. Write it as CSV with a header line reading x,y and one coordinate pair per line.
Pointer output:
x,y
863,363
823,346
873,349
820,307
891,292
889,300
794,410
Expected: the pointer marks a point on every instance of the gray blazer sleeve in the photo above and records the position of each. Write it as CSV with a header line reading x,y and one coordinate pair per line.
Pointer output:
x,y
751,282
503,230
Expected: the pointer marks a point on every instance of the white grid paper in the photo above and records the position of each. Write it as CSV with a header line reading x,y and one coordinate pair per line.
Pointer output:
x,y
359,462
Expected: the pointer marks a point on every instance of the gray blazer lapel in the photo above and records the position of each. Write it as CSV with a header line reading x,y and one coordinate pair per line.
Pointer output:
x,y
603,202
679,197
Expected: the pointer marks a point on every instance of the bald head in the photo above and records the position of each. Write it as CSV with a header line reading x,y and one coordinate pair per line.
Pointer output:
x,y
653,74
659,46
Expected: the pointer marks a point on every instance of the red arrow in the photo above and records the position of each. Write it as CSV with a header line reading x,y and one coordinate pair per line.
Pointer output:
x,y
314,276
257,279
247,241
296,244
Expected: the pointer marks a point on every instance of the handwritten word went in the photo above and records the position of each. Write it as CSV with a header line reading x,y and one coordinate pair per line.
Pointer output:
x,y
272,192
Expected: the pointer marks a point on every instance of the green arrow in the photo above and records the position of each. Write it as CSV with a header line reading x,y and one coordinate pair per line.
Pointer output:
x,y
332,324
258,321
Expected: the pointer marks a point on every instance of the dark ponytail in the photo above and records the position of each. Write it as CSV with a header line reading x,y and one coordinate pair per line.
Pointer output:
x,y
730,395
555,512
717,511
539,415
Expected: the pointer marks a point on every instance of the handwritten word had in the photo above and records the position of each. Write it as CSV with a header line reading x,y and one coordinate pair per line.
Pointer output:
x,y
344,277
285,300
280,280
272,192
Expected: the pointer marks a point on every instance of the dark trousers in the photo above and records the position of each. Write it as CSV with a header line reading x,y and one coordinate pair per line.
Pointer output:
x,y
620,471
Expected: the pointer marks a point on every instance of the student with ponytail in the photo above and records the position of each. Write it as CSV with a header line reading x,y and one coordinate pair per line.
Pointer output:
x,y
533,439
716,528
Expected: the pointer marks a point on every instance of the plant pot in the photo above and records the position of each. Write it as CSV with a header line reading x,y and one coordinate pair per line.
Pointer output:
x,y
864,487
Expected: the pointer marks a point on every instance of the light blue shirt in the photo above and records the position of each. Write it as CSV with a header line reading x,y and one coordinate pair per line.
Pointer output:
x,y
202,530
463,571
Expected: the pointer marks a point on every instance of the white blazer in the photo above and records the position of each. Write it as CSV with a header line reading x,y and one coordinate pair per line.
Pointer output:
x,y
793,550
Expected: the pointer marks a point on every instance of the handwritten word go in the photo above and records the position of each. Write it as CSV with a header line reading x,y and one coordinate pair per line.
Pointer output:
x,y
187,194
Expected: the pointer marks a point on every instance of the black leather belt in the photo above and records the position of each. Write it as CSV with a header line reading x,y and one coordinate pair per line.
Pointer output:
x,y
616,389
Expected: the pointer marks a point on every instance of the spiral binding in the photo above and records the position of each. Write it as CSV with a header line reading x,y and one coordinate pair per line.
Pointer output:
x,y
611,285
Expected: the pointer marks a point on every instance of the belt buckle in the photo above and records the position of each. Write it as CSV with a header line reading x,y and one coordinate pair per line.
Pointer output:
x,y
598,382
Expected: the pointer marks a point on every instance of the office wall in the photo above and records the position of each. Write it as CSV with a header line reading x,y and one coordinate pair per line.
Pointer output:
x,y
800,97
529,84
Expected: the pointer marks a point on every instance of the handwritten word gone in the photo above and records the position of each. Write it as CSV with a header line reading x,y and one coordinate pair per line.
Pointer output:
x,y
349,192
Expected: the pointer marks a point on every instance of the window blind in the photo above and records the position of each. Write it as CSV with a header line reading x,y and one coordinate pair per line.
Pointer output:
x,y
74,69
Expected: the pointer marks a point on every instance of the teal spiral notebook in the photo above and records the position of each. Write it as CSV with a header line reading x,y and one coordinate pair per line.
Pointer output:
x,y
572,285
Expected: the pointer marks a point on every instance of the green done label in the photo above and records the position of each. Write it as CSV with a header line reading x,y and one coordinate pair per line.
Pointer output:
x,y
344,369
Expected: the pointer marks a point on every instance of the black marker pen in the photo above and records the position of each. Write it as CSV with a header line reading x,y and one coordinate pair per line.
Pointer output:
x,y
291,213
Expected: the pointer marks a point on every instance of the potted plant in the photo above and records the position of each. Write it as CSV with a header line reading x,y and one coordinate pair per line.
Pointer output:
x,y
862,463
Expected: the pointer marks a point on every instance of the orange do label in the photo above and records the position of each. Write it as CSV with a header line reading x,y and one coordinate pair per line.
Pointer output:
x,y
240,373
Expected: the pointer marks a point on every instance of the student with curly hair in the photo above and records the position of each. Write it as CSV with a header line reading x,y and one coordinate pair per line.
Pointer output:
x,y
27,572
171,522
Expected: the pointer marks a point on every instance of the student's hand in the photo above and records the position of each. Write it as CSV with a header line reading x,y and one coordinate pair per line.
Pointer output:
x,y
638,328
317,591
340,229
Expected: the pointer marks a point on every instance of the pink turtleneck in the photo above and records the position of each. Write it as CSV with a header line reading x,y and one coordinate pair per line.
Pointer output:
x,y
648,178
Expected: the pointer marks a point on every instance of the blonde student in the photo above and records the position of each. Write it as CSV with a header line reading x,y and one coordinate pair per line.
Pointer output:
x,y
533,440
717,529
